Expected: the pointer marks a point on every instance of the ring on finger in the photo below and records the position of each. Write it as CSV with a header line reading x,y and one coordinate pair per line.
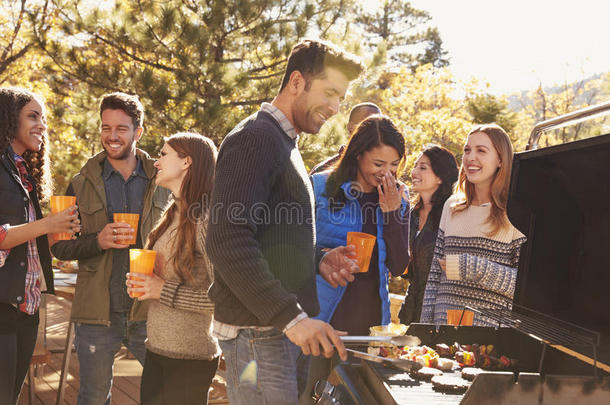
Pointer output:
x,y
114,232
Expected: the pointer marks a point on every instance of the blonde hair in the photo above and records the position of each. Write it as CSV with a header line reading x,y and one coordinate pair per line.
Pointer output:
x,y
500,183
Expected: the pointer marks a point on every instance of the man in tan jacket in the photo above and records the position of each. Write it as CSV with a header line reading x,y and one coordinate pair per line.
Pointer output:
x,y
118,180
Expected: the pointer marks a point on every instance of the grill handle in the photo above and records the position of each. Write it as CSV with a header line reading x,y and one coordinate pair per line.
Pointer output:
x,y
566,120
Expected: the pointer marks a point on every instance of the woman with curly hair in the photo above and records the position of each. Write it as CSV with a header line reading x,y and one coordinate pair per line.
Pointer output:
x,y
25,261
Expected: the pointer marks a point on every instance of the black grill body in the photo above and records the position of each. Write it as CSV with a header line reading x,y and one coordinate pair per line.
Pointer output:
x,y
560,379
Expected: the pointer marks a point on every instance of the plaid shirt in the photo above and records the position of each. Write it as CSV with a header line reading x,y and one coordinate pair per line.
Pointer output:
x,y
281,119
224,331
34,269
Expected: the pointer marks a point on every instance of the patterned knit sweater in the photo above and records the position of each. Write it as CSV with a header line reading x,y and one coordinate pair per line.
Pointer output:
x,y
179,325
481,270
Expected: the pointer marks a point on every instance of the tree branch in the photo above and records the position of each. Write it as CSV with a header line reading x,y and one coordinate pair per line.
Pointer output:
x,y
9,47
133,56
265,76
7,62
249,102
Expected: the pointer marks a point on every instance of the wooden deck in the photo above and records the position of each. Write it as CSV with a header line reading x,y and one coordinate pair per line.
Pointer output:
x,y
127,371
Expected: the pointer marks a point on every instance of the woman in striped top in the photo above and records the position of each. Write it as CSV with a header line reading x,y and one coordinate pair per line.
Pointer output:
x,y
477,248
182,355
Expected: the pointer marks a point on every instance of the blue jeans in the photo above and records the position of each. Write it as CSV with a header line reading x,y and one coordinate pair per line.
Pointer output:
x,y
261,368
96,346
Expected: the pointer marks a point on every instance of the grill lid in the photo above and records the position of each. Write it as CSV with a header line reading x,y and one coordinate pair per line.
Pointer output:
x,y
560,199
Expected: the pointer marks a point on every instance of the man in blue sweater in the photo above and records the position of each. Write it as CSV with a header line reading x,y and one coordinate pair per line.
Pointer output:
x,y
261,237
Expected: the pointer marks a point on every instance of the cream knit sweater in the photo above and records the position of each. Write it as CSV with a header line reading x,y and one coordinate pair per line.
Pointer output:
x,y
179,325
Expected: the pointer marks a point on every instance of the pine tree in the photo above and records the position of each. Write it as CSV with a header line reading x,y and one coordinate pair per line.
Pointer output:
x,y
487,108
400,30
196,65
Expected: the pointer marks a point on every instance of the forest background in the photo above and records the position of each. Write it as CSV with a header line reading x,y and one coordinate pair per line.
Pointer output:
x,y
203,65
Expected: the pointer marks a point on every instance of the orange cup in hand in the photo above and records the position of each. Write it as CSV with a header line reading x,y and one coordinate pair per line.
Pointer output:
x,y
132,220
454,315
364,244
141,261
58,204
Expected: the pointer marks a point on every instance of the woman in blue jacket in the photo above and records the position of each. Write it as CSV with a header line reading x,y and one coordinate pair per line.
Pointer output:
x,y
25,260
362,194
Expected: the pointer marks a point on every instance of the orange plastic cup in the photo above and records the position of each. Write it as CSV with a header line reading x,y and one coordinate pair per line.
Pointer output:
x,y
454,315
132,220
141,261
364,248
58,204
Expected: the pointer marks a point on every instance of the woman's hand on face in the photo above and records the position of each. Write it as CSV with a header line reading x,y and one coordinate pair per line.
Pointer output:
x,y
64,221
149,286
390,197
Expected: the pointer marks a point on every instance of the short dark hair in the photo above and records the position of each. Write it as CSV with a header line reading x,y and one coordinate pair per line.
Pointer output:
x,y
311,57
367,106
130,104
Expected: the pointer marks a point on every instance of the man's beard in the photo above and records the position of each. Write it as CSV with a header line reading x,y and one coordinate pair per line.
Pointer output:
x,y
122,153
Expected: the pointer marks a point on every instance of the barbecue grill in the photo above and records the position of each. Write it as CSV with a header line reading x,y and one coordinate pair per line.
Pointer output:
x,y
558,329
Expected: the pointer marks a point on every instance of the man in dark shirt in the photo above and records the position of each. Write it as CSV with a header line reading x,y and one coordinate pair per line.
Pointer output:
x,y
121,179
356,115
261,237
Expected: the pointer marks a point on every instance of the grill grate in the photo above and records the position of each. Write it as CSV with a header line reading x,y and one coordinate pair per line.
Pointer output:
x,y
544,328
406,390
541,327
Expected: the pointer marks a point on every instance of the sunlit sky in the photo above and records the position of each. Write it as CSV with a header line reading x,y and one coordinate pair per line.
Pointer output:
x,y
516,44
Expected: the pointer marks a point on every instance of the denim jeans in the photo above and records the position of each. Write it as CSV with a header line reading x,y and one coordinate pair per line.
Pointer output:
x,y
261,368
96,346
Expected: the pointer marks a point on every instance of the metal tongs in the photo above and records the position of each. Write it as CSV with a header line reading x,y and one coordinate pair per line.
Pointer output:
x,y
401,364
405,340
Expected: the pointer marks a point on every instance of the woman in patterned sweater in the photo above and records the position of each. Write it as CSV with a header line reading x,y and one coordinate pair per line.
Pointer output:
x,y
182,355
477,248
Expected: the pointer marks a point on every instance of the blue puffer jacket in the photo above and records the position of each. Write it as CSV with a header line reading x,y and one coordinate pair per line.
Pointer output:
x,y
331,231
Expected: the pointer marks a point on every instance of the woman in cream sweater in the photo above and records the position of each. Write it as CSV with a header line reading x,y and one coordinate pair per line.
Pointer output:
x,y
182,355
477,249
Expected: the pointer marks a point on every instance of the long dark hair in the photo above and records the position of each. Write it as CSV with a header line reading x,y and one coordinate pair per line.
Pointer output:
x,y
445,167
370,133
12,101
193,204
